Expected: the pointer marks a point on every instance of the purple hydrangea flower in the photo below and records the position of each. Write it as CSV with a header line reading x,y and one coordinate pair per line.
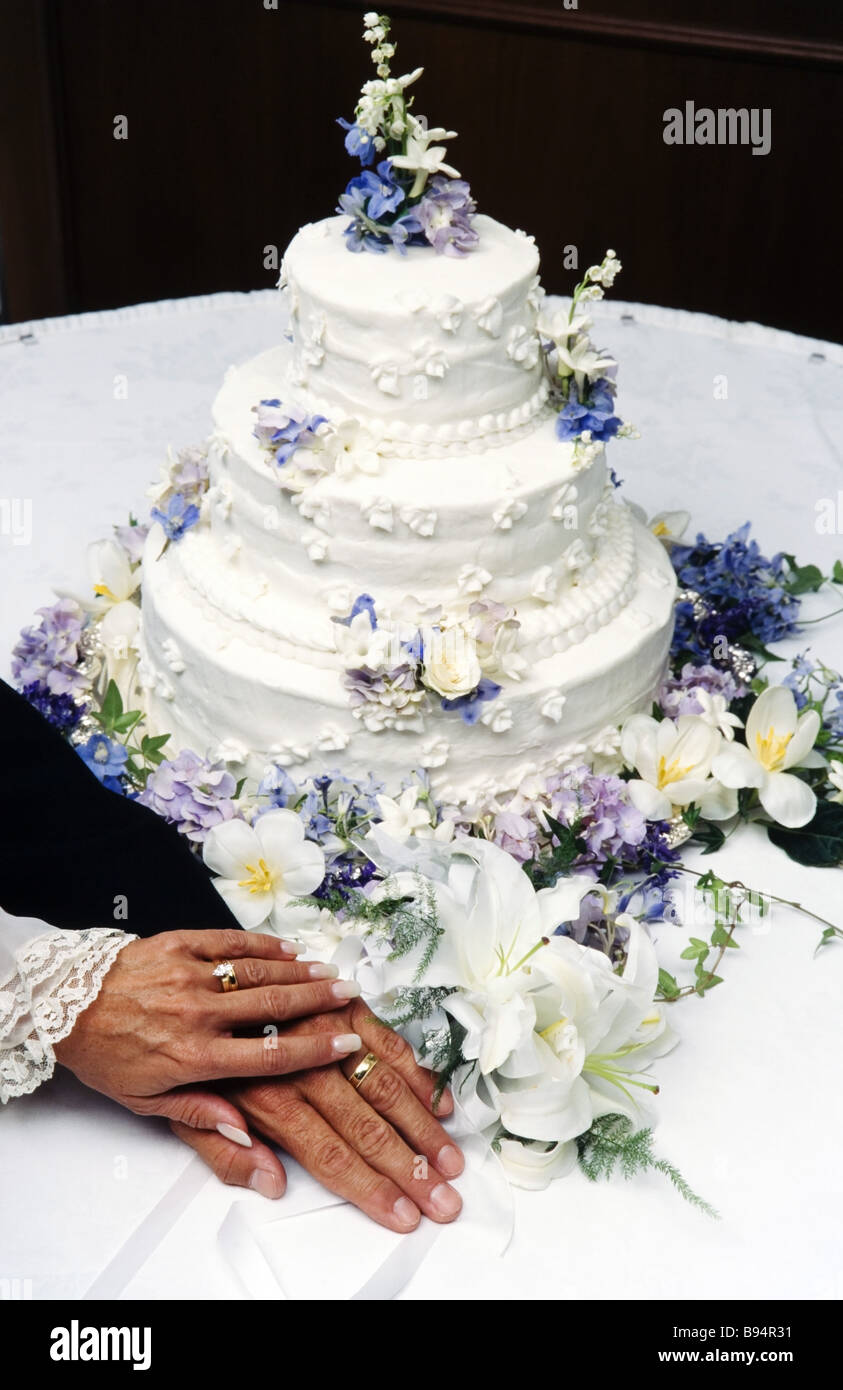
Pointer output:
x,y
608,822
178,518
677,694
470,706
284,429
191,793
516,834
444,215
358,141
132,538
107,760
61,711
49,652
594,413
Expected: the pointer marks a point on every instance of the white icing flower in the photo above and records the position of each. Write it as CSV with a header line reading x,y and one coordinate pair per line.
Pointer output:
x,y
488,315
386,376
316,544
313,350
497,717
436,365
434,753
352,449
577,556
451,665
536,294
164,689
289,754
378,513
507,512
545,584
353,640
563,503
339,600
262,867
523,346
419,520
553,706
448,312
230,750
472,579
313,508
403,817
172,655
231,547
586,452
331,739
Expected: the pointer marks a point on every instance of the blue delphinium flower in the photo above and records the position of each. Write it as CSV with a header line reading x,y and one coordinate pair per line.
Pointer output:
x,y
744,591
278,786
470,706
59,710
594,413
358,141
178,518
364,603
107,760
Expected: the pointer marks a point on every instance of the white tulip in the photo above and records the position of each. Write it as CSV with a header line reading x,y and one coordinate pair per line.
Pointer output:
x,y
261,867
777,739
673,760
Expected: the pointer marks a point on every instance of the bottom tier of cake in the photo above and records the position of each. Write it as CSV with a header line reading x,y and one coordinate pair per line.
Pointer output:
x,y
232,699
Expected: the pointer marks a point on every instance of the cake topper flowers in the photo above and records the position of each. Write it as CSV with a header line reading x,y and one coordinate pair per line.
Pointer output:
x,y
412,196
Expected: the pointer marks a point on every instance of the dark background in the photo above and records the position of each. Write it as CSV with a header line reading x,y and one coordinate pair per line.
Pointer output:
x,y
232,143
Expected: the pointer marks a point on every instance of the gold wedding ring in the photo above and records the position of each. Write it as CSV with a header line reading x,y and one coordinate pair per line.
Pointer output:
x,y
362,1070
226,976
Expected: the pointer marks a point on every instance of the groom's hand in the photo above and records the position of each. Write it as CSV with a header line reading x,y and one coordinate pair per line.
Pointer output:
x,y
379,1147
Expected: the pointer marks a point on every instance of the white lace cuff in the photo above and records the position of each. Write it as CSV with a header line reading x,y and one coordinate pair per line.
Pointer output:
x,y
44,985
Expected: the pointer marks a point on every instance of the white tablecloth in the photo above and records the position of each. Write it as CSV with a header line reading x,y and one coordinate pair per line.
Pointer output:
x,y
751,1100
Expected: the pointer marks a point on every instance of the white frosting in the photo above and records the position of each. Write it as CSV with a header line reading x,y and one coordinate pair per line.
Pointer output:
x,y
431,351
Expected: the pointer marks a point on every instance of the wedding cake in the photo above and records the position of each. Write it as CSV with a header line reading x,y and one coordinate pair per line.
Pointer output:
x,y
409,553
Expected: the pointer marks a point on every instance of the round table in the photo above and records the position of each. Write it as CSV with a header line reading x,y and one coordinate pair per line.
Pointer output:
x,y
737,422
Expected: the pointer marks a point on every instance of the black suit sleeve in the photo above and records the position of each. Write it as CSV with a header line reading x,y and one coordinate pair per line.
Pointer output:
x,y
70,849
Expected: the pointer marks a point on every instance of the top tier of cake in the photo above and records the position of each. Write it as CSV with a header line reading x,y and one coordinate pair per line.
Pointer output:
x,y
432,353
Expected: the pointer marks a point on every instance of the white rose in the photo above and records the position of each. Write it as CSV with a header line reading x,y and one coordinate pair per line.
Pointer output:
x,y
451,666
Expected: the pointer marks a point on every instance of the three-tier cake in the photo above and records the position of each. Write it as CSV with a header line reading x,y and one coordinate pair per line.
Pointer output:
x,y
410,554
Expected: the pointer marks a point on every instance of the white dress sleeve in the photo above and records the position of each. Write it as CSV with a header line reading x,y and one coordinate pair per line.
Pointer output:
x,y
47,977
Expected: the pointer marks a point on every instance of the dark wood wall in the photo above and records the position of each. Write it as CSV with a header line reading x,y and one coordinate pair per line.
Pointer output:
x,y
232,145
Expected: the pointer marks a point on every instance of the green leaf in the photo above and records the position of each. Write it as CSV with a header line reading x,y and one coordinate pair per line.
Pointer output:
x,y
803,579
837,572
668,985
721,937
239,788
829,934
819,843
125,722
708,982
111,707
710,836
756,646
153,743
691,815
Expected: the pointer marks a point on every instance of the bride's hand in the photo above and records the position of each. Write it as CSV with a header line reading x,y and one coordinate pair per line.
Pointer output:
x,y
162,1020
378,1146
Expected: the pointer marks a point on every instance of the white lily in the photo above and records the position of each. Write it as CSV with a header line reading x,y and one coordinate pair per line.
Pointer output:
x,y
674,760
261,867
777,738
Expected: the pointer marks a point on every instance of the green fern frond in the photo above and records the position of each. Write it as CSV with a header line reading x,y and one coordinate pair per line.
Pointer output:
x,y
611,1141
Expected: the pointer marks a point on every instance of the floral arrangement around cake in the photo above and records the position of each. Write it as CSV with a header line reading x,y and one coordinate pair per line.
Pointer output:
x,y
509,939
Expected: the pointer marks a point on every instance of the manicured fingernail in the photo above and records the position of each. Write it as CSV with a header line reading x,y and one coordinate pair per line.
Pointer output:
x,y
344,1043
265,1183
238,1135
322,972
449,1161
345,989
406,1213
445,1199
291,948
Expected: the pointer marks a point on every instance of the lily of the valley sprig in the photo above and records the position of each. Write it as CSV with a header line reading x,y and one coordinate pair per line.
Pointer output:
x,y
407,193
